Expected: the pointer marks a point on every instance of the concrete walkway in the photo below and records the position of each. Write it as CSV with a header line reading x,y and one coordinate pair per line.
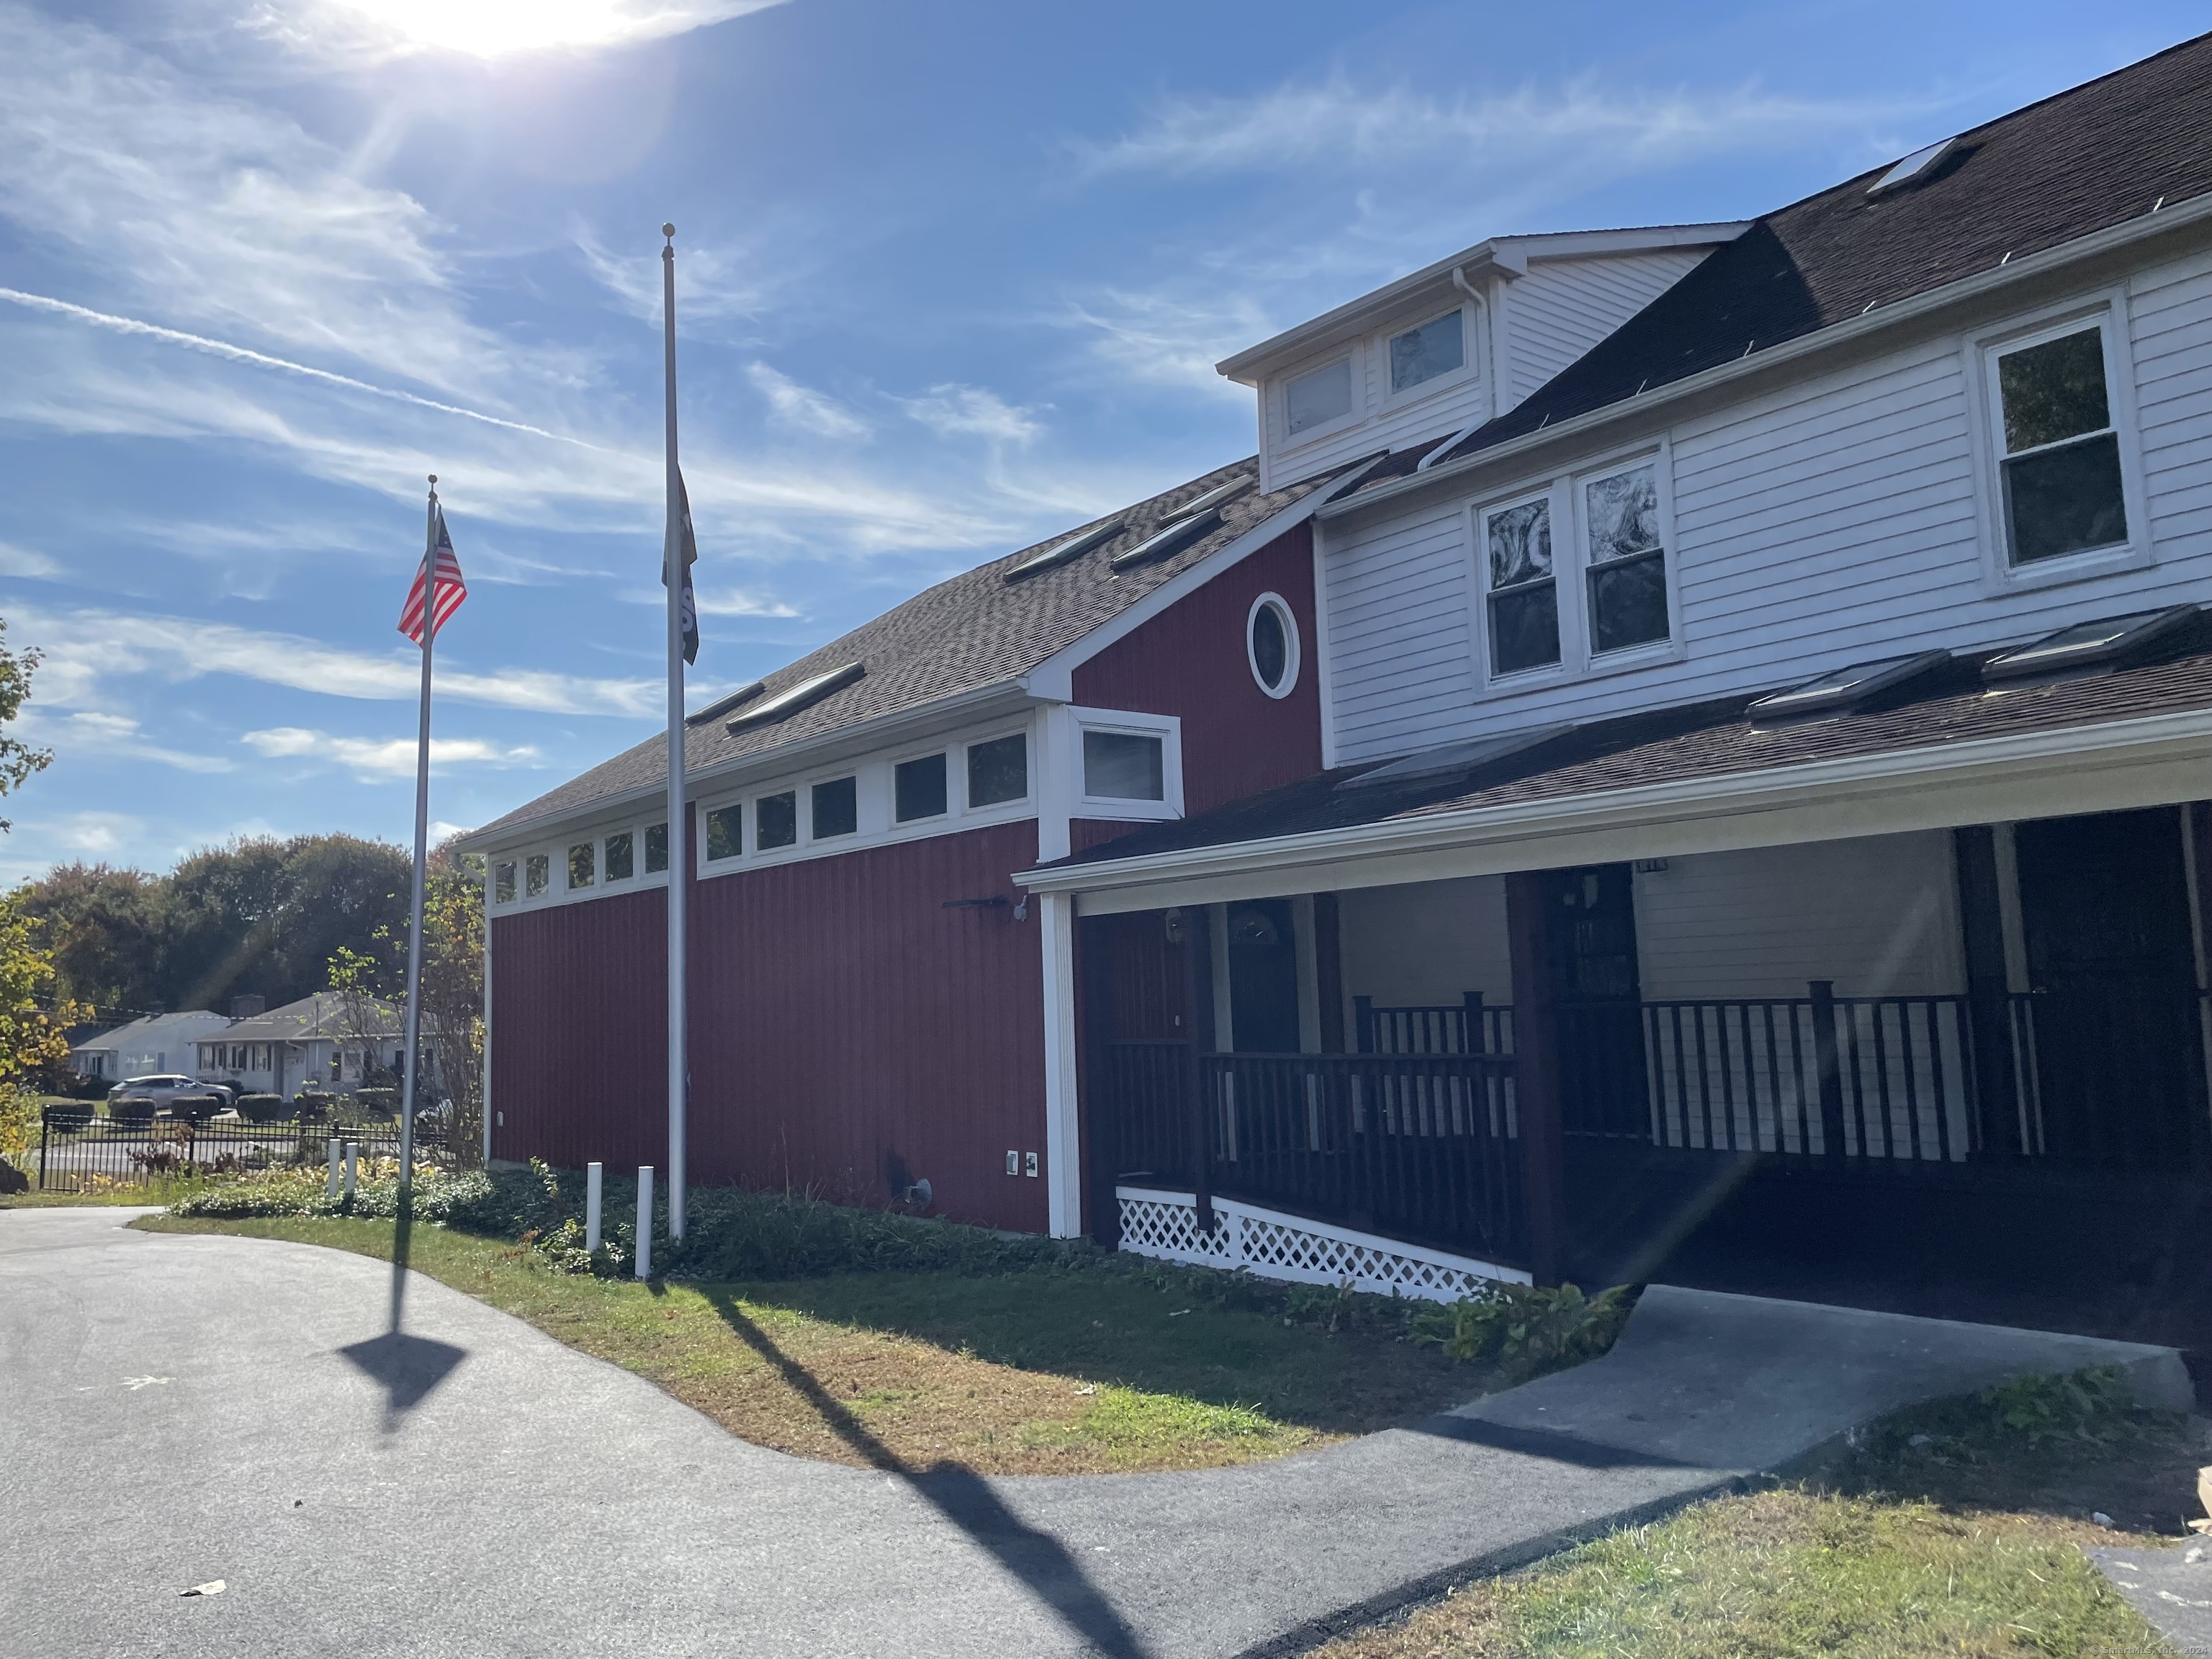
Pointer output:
x,y
183,1409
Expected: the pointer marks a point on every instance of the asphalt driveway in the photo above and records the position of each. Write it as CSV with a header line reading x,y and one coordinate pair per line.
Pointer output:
x,y
183,1409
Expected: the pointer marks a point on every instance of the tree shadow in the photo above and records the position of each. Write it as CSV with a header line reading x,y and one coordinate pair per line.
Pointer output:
x,y
1039,1560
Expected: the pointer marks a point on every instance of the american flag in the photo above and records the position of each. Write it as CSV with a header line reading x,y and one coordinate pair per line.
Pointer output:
x,y
452,590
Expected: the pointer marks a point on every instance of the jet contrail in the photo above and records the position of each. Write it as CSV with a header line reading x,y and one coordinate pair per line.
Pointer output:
x,y
261,359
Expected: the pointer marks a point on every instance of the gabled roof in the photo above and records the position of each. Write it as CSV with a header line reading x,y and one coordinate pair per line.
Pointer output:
x,y
325,1014
2080,162
977,630
1713,739
185,1024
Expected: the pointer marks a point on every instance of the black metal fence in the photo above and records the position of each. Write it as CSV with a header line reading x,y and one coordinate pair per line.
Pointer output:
x,y
80,1150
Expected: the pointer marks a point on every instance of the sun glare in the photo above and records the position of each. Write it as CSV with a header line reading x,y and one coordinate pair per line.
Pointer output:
x,y
490,28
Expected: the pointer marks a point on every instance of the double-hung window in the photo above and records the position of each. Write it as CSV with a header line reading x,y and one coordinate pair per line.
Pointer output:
x,y
1627,569
1522,596
2059,465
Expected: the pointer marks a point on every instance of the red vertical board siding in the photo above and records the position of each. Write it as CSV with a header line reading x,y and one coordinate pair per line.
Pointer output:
x,y
847,1028
851,1033
1189,661
579,1032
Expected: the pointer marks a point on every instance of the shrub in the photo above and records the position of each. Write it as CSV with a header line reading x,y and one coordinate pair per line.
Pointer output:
x,y
263,1109
1525,1322
309,1107
131,1111
62,1119
376,1102
2089,1405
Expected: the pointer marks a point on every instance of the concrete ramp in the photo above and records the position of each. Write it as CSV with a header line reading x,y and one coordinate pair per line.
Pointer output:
x,y
1745,1383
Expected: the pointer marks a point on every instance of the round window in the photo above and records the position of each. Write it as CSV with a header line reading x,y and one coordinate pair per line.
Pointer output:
x,y
1271,645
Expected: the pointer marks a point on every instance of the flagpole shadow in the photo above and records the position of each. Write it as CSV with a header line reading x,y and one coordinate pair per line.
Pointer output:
x,y
963,1498
406,1367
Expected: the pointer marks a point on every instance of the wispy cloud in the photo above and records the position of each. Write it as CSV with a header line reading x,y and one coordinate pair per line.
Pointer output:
x,y
713,284
487,28
24,562
973,411
1170,338
1337,126
85,649
374,759
95,731
804,407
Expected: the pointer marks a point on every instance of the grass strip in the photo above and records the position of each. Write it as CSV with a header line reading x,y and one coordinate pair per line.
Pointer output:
x,y
1011,1372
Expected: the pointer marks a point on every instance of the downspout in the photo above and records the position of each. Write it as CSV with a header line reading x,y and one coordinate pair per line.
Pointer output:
x,y
1488,337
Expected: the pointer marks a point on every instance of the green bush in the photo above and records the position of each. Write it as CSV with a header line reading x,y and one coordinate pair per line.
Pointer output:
x,y
375,1103
19,1115
2090,1404
62,1119
264,1108
1525,1322
311,1106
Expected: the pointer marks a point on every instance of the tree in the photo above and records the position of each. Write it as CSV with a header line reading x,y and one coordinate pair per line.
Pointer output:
x,y
34,1024
105,927
18,760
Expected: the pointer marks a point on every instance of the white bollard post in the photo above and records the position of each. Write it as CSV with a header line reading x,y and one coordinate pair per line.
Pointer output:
x,y
352,1161
594,1173
331,1190
645,1221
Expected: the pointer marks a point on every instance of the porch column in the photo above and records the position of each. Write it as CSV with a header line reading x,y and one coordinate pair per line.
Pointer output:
x,y
1536,1074
1989,1013
1198,1021
1101,1147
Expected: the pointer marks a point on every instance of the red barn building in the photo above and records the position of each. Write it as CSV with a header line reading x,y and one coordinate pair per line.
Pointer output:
x,y
868,990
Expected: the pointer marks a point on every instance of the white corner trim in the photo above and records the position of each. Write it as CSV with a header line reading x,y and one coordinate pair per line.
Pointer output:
x,y
1063,1156
1054,679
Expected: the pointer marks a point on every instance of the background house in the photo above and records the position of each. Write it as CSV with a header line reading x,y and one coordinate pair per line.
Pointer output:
x,y
331,1041
152,1043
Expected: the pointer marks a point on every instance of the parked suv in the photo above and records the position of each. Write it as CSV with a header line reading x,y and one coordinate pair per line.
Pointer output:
x,y
142,1097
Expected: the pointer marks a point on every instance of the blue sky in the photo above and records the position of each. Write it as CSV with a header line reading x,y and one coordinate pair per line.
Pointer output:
x,y
953,277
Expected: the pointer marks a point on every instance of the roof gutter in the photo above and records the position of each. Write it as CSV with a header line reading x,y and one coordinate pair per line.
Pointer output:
x,y
2068,750
2157,222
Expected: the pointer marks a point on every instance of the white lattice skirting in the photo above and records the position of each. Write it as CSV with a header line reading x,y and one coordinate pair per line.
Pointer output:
x,y
1272,1245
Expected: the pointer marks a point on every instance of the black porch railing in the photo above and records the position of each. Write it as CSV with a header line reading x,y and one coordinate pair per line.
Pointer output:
x,y
79,1151
1417,1147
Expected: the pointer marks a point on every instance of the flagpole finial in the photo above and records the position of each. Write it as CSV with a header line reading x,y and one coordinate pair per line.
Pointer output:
x,y
669,231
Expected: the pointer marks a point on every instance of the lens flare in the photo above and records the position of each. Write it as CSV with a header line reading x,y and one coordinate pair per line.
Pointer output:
x,y
493,28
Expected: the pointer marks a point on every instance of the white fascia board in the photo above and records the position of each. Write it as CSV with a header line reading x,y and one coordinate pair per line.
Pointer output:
x,y
2061,760
1852,332
861,738
1509,254
1053,680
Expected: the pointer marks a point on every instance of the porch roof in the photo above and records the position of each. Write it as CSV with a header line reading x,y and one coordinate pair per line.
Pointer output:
x,y
1679,763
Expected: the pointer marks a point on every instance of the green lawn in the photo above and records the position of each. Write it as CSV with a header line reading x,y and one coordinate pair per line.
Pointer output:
x,y
1007,1373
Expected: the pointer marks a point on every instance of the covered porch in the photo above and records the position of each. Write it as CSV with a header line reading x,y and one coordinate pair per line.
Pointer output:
x,y
1959,1064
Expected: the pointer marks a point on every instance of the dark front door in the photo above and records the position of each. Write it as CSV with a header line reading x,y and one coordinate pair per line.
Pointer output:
x,y
1599,996
2119,1056
1263,977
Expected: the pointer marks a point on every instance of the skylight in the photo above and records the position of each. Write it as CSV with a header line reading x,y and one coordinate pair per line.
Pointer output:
x,y
1072,547
1911,166
1455,757
1846,687
1219,495
1163,543
723,705
789,701
2089,645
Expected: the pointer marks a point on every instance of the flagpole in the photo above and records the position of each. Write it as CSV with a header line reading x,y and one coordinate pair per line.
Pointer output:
x,y
422,858
674,575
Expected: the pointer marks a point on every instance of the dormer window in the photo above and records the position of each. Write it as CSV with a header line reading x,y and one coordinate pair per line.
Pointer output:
x,y
1317,399
1436,347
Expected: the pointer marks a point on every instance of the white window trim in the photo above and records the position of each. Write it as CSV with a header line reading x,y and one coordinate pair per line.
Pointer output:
x,y
1166,727
1353,352
2108,310
1393,400
558,891
875,790
1571,567
1294,647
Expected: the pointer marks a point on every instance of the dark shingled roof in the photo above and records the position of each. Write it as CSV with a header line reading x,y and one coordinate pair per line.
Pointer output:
x,y
2077,162
974,631
1698,740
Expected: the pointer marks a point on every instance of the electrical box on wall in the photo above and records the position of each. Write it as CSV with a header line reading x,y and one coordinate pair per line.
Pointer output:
x,y
1013,1163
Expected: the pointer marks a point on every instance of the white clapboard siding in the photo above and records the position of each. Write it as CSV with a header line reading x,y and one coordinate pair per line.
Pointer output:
x,y
1563,308
1877,914
1425,945
1828,522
